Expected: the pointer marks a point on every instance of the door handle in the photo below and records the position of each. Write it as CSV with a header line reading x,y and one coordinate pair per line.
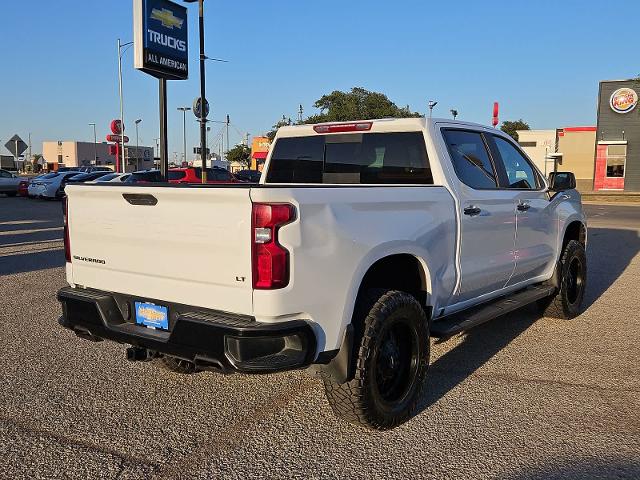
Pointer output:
x,y
472,211
523,207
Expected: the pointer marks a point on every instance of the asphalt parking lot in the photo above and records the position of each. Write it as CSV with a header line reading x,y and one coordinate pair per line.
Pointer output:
x,y
521,397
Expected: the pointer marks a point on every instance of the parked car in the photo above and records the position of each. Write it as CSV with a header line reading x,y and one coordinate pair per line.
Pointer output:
x,y
9,182
23,188
145,176
252,176
88,177
50,185
112,177
194,175
455,226
93,169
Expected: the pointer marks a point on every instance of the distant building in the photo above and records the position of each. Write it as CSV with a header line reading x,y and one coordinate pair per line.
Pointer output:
x,y
538,144
84,154
577,148
617,159
259,150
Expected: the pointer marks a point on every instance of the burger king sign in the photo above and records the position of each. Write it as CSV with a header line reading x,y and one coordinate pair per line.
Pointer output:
x,y
623,100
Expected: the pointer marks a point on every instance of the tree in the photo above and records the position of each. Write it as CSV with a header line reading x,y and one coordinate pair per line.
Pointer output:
x,y
282,123
357,104
240,154
510,128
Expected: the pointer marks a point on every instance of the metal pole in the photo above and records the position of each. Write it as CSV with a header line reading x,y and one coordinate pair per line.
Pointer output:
x,y
95,144
203,117
137,149
184,134
122,154
164,146
30,157
228,144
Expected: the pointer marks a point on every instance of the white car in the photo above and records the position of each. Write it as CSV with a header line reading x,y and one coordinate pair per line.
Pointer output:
x,y
9,182
362,241
50,185
113,178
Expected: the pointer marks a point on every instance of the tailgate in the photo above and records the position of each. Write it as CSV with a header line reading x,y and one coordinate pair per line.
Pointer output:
x,y
192,247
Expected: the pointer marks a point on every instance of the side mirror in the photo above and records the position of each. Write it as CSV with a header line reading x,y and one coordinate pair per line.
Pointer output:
x,y
560,181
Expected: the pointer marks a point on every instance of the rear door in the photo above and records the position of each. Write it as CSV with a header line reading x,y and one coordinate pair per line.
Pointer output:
x,y
535,226
182,245
487,217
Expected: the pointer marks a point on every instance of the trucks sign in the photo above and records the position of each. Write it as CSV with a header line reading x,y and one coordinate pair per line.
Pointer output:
x,y
161,39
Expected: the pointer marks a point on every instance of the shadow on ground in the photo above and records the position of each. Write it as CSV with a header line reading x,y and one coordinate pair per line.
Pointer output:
x,y
609,253
584,469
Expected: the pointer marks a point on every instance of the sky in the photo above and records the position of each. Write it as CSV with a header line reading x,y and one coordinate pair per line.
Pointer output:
x,y
541,60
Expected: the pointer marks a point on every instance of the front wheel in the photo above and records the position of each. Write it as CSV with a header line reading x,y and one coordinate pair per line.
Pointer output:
x,y
391,363
571,274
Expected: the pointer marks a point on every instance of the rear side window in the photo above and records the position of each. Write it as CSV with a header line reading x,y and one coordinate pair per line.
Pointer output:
x,y
470,158
352,158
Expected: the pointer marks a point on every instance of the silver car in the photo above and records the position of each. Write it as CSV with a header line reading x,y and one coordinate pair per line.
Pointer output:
x,y
9,183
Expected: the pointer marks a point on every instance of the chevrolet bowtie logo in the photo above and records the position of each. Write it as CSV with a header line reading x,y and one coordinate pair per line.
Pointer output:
x,y
168,19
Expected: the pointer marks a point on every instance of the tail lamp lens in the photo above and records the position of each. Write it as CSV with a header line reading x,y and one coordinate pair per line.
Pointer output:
x,y
270,259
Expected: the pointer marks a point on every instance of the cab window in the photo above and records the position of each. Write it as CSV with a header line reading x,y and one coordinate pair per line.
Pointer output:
x,y
520,173
470,158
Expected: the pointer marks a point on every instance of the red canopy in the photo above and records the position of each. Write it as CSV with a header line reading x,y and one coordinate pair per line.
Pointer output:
x,y
260,155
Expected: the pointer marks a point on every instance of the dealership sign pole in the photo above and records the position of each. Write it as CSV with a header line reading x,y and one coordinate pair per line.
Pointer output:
x,y
161,50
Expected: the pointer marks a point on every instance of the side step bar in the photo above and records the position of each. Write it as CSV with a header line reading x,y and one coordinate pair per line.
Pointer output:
x,y
467,319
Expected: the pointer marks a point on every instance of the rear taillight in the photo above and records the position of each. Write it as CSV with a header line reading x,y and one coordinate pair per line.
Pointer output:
x,y
270,259
65,212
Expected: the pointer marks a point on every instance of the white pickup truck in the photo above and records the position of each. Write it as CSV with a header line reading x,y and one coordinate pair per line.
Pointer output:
x,y
361,241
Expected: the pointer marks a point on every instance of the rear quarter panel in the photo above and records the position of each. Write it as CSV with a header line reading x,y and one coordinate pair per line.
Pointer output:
x,y
339,232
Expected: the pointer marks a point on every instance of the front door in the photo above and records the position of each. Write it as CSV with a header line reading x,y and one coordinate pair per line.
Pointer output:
x,y
487,217
535,226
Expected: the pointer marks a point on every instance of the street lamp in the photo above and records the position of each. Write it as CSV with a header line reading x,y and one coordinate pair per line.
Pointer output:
x,y
432,104
121,49
454,113
184,111
95,144
137,122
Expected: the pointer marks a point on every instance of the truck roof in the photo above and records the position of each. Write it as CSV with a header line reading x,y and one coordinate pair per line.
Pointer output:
x,y
377,125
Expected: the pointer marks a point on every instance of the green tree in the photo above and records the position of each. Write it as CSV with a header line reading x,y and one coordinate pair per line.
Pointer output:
x,y
282,123
510,128
240,154
358,104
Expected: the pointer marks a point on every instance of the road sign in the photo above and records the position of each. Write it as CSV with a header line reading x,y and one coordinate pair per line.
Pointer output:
x,y
161,42
117,139
16,146
115,127
197,110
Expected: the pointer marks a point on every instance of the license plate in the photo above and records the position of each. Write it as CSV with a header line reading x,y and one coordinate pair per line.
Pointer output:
x,y
151,315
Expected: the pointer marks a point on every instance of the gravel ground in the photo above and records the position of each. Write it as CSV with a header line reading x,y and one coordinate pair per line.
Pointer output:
x,y
521,397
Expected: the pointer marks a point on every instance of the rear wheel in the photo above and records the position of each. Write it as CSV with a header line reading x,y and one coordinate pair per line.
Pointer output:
x,y
571,274
178,365
391,363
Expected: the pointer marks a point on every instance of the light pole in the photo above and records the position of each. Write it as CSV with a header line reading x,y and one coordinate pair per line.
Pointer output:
x,y
432,104
95,144
454,113
137,122
184,111
121,48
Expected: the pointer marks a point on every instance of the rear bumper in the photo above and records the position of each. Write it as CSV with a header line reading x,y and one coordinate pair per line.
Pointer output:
x,y
211,339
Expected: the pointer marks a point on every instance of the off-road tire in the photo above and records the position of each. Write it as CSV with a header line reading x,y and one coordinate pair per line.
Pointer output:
x,y
383,318
571,275
177,365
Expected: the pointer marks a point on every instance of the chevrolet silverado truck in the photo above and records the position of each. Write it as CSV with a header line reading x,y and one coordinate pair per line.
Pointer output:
x,y
362,241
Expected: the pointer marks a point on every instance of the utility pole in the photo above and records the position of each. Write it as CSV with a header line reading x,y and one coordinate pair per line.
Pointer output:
x,y
95,144
228,144
137,122
300,112
184,111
